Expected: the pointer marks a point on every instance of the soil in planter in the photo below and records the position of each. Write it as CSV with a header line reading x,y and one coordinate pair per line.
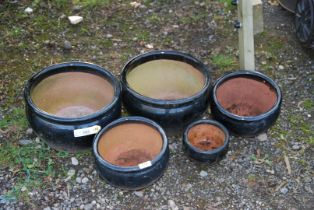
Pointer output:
x,y
166,79
246,96
72,94
130,144
206,137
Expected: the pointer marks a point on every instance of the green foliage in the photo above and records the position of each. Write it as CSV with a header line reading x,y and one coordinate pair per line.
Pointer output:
x,y
15,118
223,61
91,3
308,104
33,166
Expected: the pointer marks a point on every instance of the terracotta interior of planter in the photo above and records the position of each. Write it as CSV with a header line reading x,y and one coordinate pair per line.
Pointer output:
x,y
72,94
130,144
166,79
206,136
246,96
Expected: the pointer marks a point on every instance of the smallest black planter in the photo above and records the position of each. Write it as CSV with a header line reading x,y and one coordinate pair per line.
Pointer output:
x,y
136,176
211,155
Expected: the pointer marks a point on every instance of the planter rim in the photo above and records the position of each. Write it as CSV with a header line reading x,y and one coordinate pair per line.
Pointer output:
x,y
170,55
122,120
61,67
250,74
209,122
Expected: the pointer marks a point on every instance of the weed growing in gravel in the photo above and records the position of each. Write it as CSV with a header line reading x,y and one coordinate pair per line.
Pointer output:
x,y
32,166
91,3
16,118
308,104
223,61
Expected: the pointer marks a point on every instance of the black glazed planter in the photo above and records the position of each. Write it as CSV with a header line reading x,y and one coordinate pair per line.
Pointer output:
x,y
266,102
173,114
67,132
206,140
113,162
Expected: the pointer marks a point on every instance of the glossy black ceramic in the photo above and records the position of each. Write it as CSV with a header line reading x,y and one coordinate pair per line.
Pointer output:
x,y
210,156
245,125
58,132
132,177
172,115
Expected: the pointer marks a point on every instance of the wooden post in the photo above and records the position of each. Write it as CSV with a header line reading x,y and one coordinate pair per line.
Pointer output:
x,y
246,35
258,20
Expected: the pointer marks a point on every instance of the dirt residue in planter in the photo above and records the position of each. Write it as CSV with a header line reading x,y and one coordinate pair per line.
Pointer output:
x,y
246,96
206,137
166,79
72,94
130,144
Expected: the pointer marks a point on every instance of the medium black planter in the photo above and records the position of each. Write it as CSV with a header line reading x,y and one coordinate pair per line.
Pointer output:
x,y
74,127
250,102
206,140
119,162
174,114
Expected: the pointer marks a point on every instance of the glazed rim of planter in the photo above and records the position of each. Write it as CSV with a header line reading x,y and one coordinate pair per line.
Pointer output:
x,y
252,75
141,166
65,67
167,55
207,122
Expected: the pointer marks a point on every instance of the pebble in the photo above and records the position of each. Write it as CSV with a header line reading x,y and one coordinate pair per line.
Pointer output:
x,y
203,174
84,180
139,193
29,131
296,147
281,67
47,208
284,190
23,189
70,174
149,46
88,206
172,205
108,36
74,161
75,19
78,180
67,45
262,137
37,140
24,142
28,10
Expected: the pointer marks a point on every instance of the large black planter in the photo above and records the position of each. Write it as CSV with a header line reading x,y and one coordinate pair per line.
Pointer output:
x,y
246,125
172,115
210,143
59,132
136,176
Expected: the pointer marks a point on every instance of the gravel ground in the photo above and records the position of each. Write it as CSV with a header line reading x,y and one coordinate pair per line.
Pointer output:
x,y
253,175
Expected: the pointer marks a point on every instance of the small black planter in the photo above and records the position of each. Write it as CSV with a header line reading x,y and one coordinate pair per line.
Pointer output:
x,y
119,163
59,131
206,140
249,109
173,114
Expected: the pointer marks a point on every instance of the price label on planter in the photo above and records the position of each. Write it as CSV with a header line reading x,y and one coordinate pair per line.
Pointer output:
x,y
87,131
145,164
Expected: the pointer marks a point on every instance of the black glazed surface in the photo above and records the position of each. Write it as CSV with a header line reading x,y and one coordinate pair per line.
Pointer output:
x,y
132,177
58,132
172,115
245,125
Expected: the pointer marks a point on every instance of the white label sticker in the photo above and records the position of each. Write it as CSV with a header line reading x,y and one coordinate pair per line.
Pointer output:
x,y
145,164
87,131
